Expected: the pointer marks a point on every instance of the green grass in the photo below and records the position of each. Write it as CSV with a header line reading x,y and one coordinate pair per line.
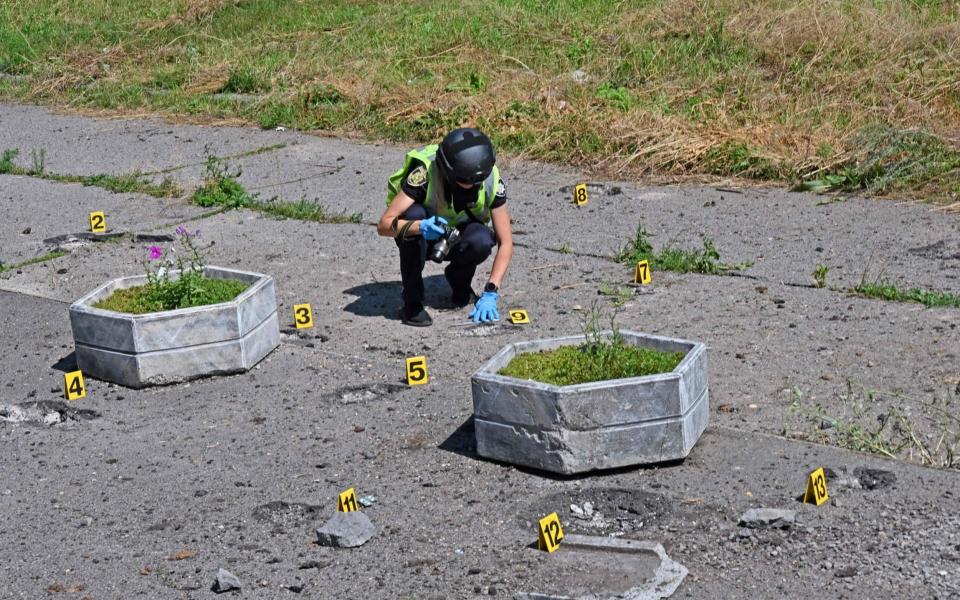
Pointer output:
x,y
35,260
127,183
772,90
617,295
570,365
143,299
705,260
866,420
221,189
888,160
303,210
883,290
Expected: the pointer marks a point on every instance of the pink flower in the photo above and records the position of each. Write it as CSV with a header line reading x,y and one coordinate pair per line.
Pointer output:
x,y
156,252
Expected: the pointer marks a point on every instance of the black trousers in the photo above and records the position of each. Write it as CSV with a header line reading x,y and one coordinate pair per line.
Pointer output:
x,y
476,243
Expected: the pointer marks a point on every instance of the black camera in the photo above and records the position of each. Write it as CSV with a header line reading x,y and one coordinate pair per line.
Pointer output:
x,y
443,245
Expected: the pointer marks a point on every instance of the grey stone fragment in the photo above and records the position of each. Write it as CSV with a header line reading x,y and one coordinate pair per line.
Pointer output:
x,y
769,518
225,581
346,530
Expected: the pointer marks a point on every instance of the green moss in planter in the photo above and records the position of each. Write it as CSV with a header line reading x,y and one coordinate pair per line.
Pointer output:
x,y
196,291
570,365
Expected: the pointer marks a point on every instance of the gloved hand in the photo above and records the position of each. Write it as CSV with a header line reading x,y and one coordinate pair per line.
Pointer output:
x,y
432,228
485,310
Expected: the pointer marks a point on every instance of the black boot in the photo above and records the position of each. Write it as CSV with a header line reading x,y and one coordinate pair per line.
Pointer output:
x,y
415,316
459,278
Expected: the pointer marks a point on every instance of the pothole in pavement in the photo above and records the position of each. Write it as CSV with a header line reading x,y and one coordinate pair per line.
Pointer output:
x,y
593,561
45,412
484,330
596,188
860,478
284,516
603,567
363,393
302,337
596,511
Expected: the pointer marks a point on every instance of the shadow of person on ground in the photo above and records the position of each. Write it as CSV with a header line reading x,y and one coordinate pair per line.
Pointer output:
x,y
67,364
382,298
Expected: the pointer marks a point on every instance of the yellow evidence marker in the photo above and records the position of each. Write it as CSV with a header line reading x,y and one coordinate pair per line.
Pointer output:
x,y
417,370
98,222
642,274
302,316
347,501
816,491
580,196
549,533
519,316
73,385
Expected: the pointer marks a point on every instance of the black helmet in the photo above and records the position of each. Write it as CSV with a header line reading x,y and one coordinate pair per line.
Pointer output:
x,y
466,155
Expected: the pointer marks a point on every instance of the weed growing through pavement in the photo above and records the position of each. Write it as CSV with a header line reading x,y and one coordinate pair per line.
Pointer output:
x,y
221,188
165,290
617,295
884,290
565,248
670,258
820,275
38,161
132,183
867,421
601,357
4,268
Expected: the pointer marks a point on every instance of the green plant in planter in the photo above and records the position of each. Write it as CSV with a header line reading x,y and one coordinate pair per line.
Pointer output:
x,y
163,292
599,358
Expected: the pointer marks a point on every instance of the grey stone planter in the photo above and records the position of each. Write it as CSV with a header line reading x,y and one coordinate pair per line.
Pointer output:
x,y
599,425
176,345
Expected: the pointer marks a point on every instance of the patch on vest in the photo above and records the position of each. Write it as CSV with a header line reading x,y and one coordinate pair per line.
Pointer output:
x,y
417,177
501,189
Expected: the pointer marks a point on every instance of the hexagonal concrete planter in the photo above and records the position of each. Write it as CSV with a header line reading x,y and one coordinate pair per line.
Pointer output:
x,y
599,425
176,345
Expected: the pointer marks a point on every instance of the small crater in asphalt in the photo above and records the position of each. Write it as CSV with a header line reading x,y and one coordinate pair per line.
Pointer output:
x,y
363,393
873,479
44,412
611,507
596,188
285,515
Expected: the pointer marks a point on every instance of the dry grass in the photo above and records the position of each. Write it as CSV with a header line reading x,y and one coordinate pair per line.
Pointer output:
x,y
687,89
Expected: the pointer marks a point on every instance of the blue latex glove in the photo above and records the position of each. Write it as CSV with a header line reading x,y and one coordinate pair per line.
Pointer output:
x,y
485,310
433,228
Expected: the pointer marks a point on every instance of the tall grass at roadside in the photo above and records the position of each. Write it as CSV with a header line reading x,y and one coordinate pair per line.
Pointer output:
x,y
768,90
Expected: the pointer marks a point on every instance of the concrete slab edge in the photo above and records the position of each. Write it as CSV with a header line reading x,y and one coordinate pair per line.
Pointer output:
x,y
665,581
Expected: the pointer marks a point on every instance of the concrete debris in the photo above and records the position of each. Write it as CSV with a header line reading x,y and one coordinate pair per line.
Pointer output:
x,y
769,518
346,530
225,581
580,76
585,512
